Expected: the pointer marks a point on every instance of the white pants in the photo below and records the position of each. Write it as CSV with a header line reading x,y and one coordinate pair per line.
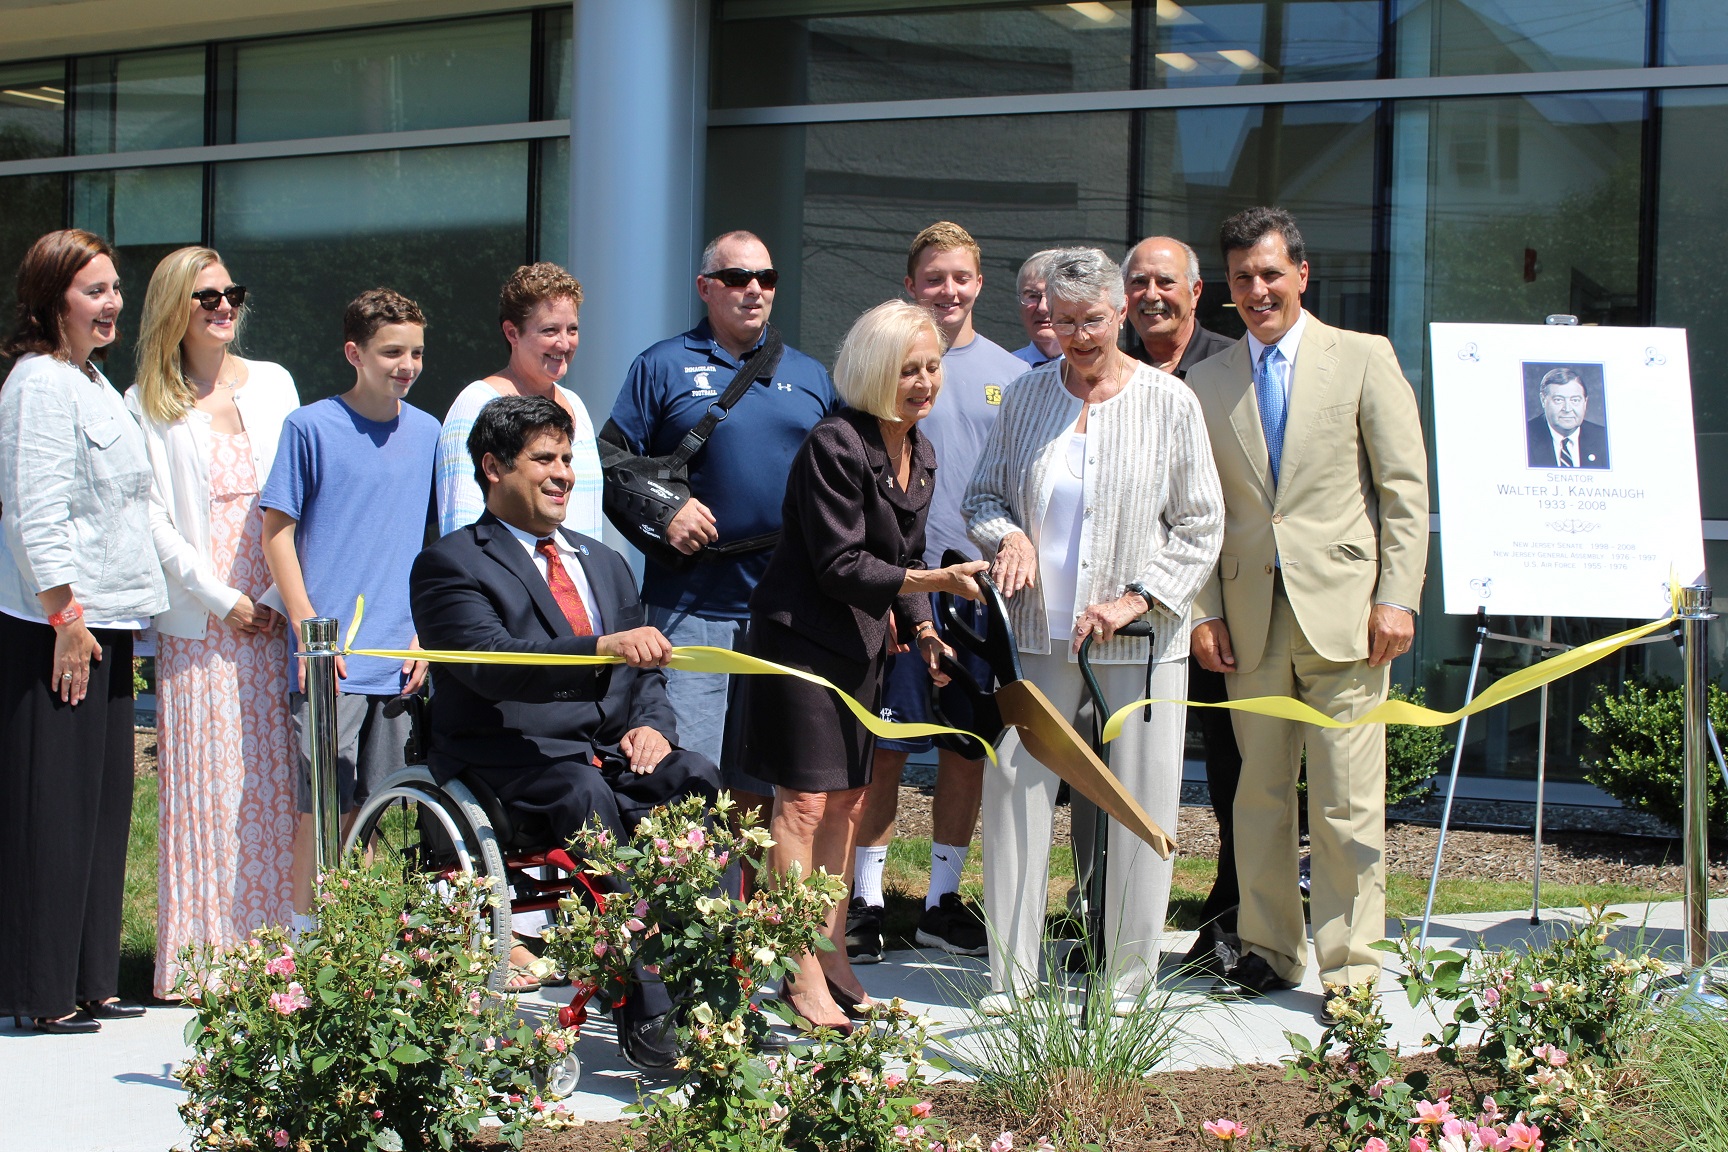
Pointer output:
x,y
1020,801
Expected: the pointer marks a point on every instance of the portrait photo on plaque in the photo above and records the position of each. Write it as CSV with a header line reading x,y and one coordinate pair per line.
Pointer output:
x,y
1565,415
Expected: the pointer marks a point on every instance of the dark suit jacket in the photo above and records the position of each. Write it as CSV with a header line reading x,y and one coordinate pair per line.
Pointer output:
x,y
1592,444
849,534
478,590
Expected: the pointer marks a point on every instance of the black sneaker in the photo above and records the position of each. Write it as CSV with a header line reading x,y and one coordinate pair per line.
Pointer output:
x,y
953,927
864,931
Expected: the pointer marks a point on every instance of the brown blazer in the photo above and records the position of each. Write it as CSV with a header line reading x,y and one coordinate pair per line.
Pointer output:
x,y
1349,519
848,535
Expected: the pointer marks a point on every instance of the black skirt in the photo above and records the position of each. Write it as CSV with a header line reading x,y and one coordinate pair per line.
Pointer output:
x,y
798,735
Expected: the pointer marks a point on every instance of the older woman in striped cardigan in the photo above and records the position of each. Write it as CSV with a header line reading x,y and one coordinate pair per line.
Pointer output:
x,y
1097,496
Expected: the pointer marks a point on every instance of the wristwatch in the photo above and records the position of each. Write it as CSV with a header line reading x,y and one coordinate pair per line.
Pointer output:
x,y
1141,591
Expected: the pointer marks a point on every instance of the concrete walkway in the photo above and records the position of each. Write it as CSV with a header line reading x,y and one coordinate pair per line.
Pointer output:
x,y
115,1092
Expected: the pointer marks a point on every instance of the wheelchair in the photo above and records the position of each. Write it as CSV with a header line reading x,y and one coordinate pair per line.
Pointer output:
x,y
459,827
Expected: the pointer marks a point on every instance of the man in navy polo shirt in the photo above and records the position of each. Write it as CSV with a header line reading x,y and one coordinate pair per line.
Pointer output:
x,y
737,480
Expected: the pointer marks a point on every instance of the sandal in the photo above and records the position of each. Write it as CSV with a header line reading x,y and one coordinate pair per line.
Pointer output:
x,y
541,967
521,980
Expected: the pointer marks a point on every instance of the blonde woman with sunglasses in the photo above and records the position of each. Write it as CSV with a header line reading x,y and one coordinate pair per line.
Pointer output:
x,y
211,420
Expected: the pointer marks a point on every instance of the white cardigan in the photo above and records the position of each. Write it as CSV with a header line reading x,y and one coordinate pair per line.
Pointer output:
x,y
180,492
1153,510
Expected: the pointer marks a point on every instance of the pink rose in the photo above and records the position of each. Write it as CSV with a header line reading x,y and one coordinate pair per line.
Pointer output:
x,y
281,966
1431,1114
922,1109
1418,1144
1524,1137
279,1138
289,1002
1375,1144
1225,1130
697,838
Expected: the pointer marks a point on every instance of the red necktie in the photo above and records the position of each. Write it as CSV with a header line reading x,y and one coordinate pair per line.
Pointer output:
x,y
564,589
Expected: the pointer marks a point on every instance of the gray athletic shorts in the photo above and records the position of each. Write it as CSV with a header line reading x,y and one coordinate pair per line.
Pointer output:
x,y
368,746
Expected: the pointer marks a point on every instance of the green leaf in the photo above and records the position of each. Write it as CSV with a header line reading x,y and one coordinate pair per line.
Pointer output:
x,y
321,1062
387,1141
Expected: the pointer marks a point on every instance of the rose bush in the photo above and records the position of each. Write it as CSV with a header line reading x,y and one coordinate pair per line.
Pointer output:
x,y
1553,1027
368,1032
737,1089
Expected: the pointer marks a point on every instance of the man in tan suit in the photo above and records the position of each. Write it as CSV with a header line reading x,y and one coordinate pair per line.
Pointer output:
x,y
1318,443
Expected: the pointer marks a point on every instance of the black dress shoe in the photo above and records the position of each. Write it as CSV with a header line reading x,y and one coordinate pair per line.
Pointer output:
x,y
1328,1014
1214,953
77,1024
1252,976
651,1044
113,1009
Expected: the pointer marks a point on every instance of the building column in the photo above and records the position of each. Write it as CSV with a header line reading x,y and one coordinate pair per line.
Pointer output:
x,y
638,126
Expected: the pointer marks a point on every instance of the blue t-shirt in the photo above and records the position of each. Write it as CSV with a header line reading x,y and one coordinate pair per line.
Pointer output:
x,y
740,474
360,491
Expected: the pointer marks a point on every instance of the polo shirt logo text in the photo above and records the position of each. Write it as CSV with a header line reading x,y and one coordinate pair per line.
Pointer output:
x,y
992,393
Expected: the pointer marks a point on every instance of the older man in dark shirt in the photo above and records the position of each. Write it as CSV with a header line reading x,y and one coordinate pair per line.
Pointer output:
x,y
1162,276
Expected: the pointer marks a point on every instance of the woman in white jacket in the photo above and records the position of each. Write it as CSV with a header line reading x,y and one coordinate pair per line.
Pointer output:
x,y
211,421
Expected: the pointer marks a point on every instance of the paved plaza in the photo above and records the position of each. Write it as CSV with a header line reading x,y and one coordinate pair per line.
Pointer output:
x,y
115,1092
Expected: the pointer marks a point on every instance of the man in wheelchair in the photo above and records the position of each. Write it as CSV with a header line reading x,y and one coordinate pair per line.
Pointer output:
x,y
558,746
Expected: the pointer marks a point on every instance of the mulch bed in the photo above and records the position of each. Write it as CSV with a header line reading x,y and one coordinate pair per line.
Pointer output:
x,y
1568,858
1167,1115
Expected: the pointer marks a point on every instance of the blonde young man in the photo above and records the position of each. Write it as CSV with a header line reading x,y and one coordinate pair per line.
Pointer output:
x,y
1319,448
944,275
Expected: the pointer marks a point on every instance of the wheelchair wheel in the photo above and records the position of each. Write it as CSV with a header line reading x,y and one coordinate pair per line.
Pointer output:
x,y
423,828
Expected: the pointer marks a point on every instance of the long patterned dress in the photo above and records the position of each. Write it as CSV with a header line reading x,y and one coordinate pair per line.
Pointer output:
x,y
226,846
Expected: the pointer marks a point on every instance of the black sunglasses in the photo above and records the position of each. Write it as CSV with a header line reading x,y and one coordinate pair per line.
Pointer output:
x,y
235,294
741,277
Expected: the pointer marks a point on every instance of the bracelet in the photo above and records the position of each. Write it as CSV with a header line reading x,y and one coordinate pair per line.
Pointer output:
x,y
70,614
918,629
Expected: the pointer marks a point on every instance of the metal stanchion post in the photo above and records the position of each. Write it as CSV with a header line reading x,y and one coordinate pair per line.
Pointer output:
x,y
318,640
1695,616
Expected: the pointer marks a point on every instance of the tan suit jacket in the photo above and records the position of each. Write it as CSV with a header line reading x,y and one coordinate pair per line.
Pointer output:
x,y
1349,518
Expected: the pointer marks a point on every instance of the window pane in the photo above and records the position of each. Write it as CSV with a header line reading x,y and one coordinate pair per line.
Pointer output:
x,y
1473,37
556,64
555,201
1317,160
145,213
1205,42
33,205
1689,228
306,235
32,110
400,79
837,205
899,51
145,100
1694,32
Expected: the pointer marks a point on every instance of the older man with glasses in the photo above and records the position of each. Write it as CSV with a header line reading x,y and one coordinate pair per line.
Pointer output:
x,y
737,479
1042,346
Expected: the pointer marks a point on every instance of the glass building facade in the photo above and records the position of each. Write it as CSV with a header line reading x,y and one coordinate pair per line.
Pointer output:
x,y
1448,160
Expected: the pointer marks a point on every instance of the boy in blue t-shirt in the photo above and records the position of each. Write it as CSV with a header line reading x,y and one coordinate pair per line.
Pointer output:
x,y
345,513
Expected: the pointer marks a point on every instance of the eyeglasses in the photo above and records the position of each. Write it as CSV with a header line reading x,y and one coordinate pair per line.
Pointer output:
x,y
1093,328
1031,298
741,277
207,298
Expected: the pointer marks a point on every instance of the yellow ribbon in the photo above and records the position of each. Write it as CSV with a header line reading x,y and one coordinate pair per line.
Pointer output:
x,y
1402,711
691,658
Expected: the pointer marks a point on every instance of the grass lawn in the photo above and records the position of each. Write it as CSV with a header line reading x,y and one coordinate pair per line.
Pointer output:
x,y
905,882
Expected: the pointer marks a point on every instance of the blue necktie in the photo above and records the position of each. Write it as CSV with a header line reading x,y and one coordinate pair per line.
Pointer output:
x,y
1269,391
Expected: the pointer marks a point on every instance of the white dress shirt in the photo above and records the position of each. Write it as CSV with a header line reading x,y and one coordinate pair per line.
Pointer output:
x,y
572,564
1287,346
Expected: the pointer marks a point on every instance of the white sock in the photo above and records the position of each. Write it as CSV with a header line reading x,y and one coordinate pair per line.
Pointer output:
x,y
867,866
946,864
